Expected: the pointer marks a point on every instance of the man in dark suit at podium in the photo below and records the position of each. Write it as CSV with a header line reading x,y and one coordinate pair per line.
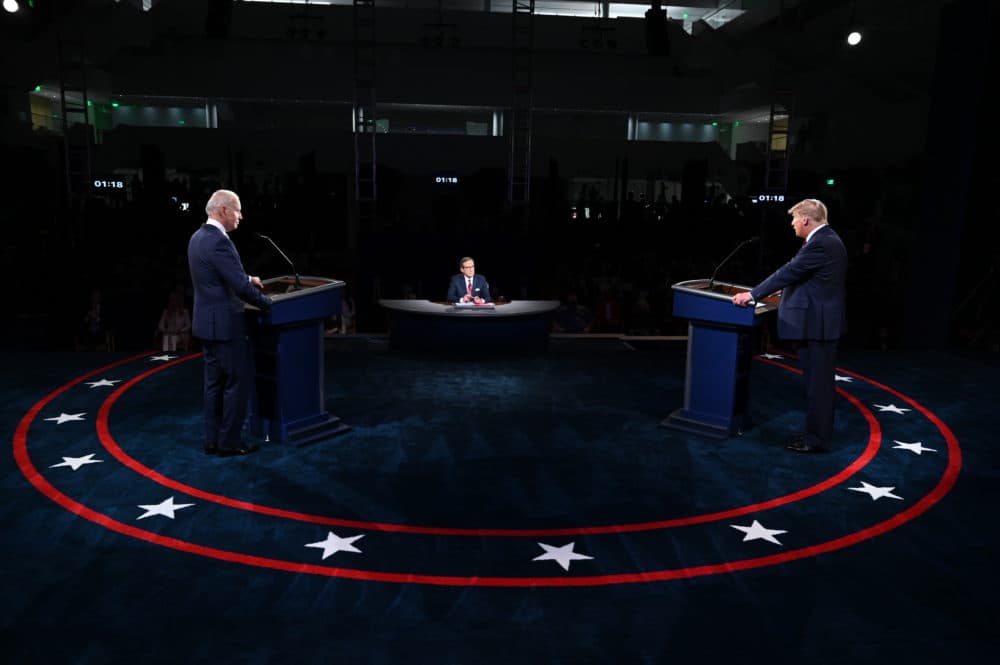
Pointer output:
x,y
812,311
467,286
220,288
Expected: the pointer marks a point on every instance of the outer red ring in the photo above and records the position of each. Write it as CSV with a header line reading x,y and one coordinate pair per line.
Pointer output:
x,y
30,472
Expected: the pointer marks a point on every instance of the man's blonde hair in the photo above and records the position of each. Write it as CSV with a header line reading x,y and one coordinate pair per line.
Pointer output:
x,y
811,208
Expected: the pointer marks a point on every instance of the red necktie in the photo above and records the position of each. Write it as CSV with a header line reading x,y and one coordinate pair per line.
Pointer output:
x,y
468,287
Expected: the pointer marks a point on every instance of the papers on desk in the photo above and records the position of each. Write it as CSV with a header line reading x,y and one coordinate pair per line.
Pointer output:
x,y
761,304
472,305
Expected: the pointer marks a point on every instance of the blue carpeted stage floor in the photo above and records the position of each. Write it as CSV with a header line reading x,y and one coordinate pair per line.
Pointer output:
x,y
526,509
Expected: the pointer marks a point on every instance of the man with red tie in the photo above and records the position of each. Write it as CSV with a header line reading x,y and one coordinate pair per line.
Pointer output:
x,y
812,312
467,286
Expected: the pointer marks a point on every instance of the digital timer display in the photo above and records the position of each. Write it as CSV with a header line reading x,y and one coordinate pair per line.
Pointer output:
x,y
109,184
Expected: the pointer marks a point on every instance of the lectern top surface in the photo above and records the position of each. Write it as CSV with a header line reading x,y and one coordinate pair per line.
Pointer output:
x,y
285,286
723,291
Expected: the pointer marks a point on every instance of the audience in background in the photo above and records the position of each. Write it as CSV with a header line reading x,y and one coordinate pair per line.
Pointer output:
x,y
175,324
621,275
93,332
572,317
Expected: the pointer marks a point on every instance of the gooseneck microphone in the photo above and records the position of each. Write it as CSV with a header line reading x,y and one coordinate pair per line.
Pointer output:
x,y
261,236
723,261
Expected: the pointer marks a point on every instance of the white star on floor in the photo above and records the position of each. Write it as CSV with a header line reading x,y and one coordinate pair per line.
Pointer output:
x,y
103,382
561,555
77,462
771,356
848,379
67,417
335,543
164,357
876,493
891,408
757,531
165,508
915,447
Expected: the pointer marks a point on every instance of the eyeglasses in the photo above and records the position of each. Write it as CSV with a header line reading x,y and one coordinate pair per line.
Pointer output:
x,y
468,267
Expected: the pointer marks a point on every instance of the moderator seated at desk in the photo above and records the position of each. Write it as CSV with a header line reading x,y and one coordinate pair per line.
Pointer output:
x,y
519,326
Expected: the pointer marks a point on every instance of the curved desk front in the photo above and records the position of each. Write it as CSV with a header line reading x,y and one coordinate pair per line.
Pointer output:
x,y
422,325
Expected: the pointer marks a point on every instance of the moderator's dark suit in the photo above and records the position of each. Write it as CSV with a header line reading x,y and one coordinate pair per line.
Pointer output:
x,y
457,288
812,310
220,288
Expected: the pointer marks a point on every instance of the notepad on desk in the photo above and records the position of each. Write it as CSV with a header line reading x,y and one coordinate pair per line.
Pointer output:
x,y
472,305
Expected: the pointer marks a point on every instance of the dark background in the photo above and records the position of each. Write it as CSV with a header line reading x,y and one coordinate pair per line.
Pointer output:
x,y
899,123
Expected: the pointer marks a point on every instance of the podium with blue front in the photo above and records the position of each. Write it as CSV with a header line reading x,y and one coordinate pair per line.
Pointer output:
x,y
719,353
289,404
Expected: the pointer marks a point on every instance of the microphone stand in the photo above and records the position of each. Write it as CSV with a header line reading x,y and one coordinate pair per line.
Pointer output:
x,y
740,246
298,282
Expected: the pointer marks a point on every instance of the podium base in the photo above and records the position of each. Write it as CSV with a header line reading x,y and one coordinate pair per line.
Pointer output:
x,y
301,433
685,422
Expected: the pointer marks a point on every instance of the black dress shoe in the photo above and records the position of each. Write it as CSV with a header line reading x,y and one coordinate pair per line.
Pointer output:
x,y
242,450
211,450
801,447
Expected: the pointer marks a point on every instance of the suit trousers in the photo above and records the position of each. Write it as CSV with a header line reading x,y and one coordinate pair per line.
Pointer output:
x,y
228,380
818,361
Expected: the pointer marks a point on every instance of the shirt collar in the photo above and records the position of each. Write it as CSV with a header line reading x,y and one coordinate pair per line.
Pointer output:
x,y
813,232
216,223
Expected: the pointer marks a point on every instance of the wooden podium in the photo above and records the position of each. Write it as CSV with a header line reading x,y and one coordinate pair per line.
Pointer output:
x,y
289,403
719,353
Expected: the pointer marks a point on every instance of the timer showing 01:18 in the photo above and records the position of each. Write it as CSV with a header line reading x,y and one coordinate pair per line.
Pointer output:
x,y
109,184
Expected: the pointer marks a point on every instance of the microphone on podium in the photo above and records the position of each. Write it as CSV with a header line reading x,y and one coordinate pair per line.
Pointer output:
x,y
723,261
261,236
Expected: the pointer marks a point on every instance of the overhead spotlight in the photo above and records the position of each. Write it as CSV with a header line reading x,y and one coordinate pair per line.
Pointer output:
x,y
11,5
854,38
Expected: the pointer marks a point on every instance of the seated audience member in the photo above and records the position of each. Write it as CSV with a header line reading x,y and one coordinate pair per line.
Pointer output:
x,y
175,324
94,333
572,317
608,317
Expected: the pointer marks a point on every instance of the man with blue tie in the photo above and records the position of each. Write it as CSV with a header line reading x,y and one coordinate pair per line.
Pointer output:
x,y
221,286
811,311
467,286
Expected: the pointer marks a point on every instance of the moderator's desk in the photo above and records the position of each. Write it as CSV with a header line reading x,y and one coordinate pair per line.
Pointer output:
x,y
422,325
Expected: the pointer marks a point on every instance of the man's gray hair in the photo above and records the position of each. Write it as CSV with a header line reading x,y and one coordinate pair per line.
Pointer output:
x,y
220,198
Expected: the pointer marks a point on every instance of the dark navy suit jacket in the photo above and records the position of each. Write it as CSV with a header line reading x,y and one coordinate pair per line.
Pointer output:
x,y
220,286
479,288
812,288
